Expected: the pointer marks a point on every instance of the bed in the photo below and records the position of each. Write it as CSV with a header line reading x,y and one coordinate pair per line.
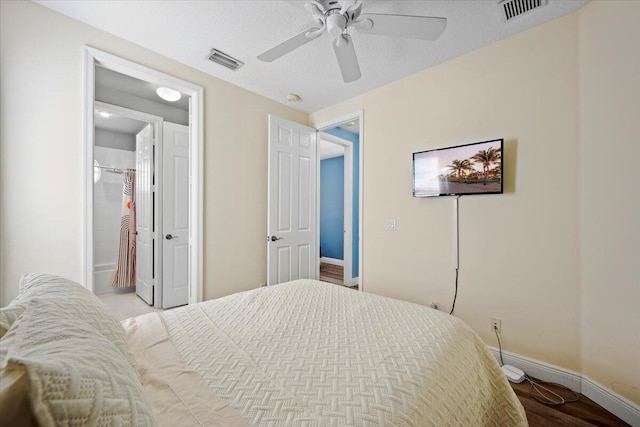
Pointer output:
x,y
308,353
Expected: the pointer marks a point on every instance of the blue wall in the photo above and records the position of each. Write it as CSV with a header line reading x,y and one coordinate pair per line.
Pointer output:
x,y
355,139
332,207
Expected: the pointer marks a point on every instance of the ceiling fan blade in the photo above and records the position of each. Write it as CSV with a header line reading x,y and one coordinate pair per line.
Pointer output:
x,y
412,27
314,8
347,60
289,45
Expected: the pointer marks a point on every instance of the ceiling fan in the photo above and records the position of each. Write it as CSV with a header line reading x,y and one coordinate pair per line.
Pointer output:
x,y
337,16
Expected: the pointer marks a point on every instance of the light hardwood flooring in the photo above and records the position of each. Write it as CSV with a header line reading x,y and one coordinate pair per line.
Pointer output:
x,y
332,273
582,413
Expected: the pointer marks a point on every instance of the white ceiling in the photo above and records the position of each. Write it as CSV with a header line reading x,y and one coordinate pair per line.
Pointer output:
x,y
187,30
353,127
114,80
118,124
329,150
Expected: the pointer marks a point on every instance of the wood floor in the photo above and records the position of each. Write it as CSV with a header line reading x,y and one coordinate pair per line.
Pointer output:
x,y
582,413
333,274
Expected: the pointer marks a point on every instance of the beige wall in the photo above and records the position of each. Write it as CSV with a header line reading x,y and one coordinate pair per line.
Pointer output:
x,y
556,256
610,194
518,251
41,149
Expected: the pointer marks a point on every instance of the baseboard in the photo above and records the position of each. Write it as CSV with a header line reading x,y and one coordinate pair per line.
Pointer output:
x,y
619,406
541,370
332,261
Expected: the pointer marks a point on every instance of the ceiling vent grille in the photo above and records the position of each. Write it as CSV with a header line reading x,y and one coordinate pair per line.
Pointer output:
x,y
510,9
224,60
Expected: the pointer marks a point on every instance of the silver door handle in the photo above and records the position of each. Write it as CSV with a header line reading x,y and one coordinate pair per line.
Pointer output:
x,y
169,237
274,238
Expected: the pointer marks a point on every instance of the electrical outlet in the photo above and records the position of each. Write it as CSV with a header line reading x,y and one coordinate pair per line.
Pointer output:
x,y
496,324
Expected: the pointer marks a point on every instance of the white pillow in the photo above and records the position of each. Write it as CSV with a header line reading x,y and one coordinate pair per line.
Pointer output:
x,y
8,315
76,301
77,376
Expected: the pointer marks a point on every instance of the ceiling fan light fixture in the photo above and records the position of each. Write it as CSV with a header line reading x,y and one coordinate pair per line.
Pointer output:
x,y
168,94
336,24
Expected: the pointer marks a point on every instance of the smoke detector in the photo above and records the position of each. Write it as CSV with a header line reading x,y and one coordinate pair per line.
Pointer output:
x,y
510,9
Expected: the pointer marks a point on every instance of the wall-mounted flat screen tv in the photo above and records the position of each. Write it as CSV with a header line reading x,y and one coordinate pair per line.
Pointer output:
x,y
464,169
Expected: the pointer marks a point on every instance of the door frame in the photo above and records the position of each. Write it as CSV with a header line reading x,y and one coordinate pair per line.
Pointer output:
x,y
94,57
348,206
329,124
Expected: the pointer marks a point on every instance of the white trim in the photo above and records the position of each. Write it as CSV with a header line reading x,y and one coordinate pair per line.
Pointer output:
x,y
332,261
87,141
347,243
93,57
541,370
618,405
608,399
358,115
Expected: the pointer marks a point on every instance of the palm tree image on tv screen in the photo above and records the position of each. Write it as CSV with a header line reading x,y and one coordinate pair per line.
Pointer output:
x,y
467,169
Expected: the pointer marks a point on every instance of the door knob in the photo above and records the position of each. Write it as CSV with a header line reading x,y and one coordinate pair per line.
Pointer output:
x,y
169,237
274,238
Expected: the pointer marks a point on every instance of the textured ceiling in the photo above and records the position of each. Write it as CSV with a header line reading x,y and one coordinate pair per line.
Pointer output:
x,y
187,30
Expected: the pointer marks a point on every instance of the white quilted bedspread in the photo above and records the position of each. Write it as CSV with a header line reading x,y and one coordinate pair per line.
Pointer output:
x,y
306,353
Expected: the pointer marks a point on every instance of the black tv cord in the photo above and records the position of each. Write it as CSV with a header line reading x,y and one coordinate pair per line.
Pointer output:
x,y
455,295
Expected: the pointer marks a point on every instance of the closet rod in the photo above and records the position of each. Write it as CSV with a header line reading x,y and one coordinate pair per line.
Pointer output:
x,y
115,170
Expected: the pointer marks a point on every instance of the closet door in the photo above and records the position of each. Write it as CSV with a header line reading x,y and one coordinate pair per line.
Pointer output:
x,y
144,214
175,215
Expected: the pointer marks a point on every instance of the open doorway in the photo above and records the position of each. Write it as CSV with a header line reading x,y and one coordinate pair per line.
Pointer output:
x,y
339,204
143,184
293,205
115,173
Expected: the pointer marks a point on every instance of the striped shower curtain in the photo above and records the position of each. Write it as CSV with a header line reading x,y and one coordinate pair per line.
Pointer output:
x,y
125,272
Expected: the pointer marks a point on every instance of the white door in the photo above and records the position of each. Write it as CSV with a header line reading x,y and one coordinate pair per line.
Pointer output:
x,y
175,215
291,222
144,214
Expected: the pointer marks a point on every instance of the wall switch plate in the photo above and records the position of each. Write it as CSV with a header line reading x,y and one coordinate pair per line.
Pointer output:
x,y
390,224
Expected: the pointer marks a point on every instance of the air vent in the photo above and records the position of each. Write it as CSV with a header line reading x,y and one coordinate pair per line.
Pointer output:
x,y
224,60
510,9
